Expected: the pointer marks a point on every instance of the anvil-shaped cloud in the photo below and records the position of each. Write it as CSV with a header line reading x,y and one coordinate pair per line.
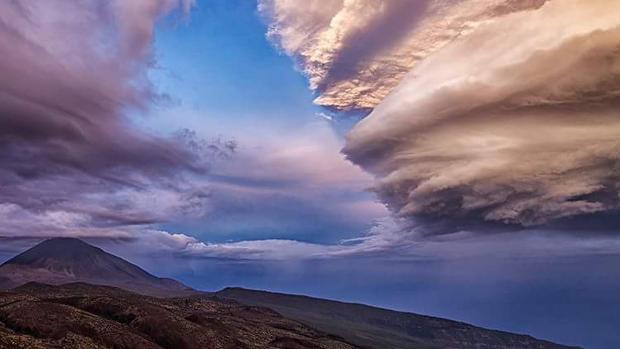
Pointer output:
x,y
508,112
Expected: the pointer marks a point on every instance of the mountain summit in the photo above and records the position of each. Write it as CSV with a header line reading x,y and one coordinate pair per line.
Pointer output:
x,y
65,260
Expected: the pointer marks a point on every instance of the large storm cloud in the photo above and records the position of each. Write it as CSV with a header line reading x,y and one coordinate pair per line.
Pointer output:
x,y
516,122
484,112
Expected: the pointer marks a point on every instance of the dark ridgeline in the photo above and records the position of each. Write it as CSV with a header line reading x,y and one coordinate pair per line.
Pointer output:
x,y
55,300
374,327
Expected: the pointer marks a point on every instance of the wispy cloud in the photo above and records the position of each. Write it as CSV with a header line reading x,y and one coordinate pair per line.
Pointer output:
x,y
389,239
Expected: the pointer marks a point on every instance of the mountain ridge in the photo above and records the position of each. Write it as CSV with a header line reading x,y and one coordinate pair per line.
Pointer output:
x,y
59,261
374,327
68,270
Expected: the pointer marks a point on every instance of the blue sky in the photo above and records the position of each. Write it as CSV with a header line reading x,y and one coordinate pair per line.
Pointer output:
x,y
229,81
219,65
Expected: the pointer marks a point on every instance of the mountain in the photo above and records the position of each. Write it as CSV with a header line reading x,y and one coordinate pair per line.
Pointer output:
x,y
83,316
65,260
59,296
378,328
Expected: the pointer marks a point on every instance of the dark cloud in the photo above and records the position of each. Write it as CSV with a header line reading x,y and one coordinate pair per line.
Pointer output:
x,y
64,97
70,159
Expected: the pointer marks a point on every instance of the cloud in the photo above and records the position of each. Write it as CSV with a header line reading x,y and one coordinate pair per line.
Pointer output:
x,y
515,122
484,113
474,125
382,240
355,52
389,239
274,186
74,164
70,158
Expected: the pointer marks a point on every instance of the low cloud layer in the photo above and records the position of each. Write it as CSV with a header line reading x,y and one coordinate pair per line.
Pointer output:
x,y
514,123
70,159
387,240
355,52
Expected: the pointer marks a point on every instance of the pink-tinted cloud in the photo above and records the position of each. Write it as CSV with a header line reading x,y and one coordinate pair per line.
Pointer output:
x,y
502,126
355,52
485,113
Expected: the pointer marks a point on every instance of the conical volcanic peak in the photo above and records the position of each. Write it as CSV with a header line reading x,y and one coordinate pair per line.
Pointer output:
x,y
69,250
66,260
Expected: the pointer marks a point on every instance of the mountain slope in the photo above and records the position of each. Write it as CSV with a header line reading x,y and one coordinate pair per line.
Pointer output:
x,y
82,316
378,328
110,317
65,260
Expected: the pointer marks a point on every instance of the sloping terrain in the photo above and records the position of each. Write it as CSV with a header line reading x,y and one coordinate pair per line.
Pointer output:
x,y
381,328
84,316
52,303
66,260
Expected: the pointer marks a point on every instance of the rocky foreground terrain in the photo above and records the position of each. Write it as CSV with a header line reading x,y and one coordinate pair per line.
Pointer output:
x,y
82,316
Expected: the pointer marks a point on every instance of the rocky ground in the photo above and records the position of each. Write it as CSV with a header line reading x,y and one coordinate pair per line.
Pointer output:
x,y
84,316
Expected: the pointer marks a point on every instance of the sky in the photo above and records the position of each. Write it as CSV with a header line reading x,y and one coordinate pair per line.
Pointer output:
x,y
453,158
